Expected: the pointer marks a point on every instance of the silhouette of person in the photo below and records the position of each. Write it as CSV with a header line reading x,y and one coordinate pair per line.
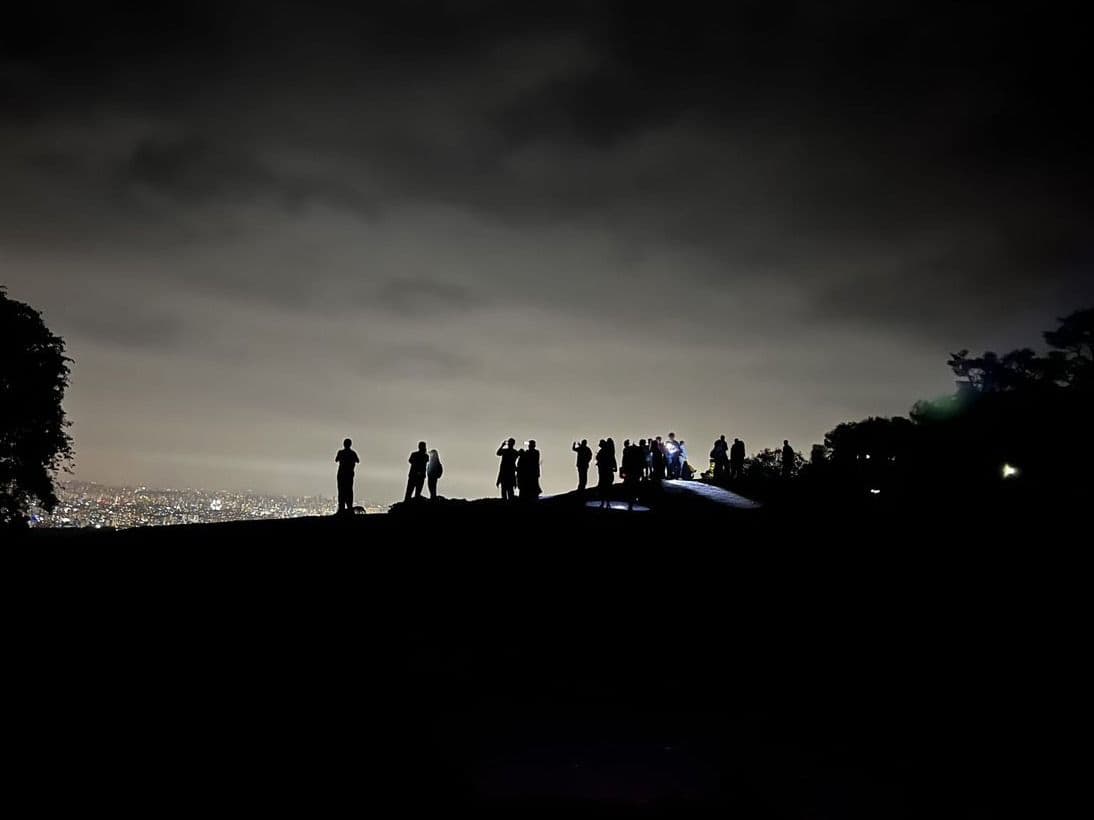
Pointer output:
x,y
633,462
528,472
672,456
657,459
584,457
685,468
719,458
507,472
788,459
419,459
433,471
737,459
605,470
347,460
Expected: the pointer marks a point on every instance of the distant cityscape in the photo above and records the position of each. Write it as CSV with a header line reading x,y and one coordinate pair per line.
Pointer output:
x,y
86,504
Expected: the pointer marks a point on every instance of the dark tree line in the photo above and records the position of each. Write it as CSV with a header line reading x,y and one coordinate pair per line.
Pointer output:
x,y
1022,416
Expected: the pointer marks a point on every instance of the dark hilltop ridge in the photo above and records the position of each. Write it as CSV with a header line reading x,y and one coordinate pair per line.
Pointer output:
x,y
799,659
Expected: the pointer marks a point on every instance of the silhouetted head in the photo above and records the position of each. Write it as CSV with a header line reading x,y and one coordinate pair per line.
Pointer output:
x,y
642,443
584,442
601,443
659,439
786,443
347,443
736,441
626,442
531,444
421,446
721,438
433,454
672,436
512,442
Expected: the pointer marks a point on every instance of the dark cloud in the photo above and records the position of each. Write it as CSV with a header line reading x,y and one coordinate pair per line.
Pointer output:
x,y
545,202
195,168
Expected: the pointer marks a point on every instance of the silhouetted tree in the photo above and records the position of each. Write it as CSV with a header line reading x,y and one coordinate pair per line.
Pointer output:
x,y
992,373
1074,343
33,442
1070,364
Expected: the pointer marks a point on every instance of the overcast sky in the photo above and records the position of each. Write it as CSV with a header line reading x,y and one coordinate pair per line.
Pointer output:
x,y
263,229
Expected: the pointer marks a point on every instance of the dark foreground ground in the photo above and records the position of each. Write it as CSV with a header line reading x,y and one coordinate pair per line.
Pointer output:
x,y
804,660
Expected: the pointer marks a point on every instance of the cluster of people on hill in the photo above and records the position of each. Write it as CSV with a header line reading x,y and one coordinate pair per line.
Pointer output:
x,y
519,470
652,459
727,460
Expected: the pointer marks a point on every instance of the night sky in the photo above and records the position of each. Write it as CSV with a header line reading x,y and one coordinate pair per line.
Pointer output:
x,y
261,228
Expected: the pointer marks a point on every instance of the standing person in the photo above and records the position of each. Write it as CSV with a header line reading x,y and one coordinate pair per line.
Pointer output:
x,y
433,472
719,459
605,470
788,459
672,456
507,472
528,472
347,460
584,457
416,479
737,459
633,463
685,468
657,459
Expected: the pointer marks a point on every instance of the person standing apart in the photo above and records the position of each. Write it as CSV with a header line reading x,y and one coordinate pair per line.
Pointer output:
x,y
347,460
788,459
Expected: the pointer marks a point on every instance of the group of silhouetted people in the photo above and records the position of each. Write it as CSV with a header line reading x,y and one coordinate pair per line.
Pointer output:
x,y
648,459
425,467
727,460
652,459
519,471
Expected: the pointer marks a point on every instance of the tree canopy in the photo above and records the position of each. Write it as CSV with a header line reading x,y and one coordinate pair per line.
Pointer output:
x,y
34,374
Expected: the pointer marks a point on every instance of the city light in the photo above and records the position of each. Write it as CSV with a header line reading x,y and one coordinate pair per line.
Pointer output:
x,y
85,504
1009,471
874,491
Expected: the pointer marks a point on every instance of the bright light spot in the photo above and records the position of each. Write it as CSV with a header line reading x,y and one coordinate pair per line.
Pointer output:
x,y
867,455
874,491
1009,471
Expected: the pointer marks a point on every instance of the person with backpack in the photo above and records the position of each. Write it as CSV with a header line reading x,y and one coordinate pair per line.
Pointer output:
x,y
433,472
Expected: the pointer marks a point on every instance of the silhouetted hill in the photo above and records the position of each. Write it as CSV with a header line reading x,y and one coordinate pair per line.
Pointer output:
x,y
797,660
